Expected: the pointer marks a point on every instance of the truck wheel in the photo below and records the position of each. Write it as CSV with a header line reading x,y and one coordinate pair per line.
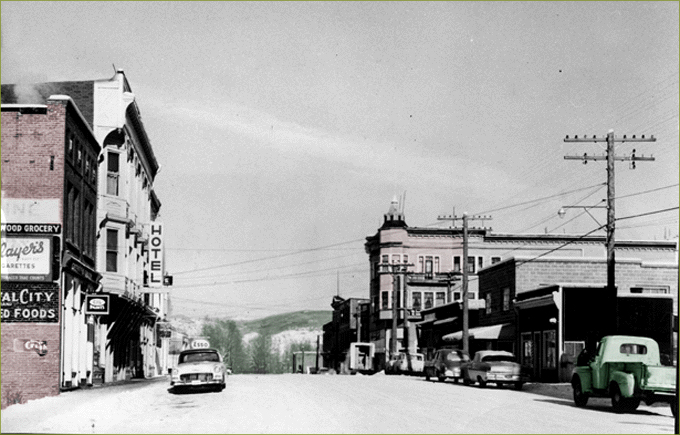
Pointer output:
x,y
618,401
580,398
674,407
632,404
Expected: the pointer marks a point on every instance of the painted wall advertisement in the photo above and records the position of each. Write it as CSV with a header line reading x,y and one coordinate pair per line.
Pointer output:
x,y
26,251
30,302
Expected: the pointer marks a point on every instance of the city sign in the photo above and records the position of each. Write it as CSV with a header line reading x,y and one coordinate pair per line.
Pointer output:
x,y
30,302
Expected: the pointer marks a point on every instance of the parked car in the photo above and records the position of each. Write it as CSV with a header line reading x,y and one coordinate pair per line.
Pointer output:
x,y
412,363
445,364
627,369
496,366
199,369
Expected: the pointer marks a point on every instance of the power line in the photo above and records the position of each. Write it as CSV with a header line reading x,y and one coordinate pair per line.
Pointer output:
x,y
266,258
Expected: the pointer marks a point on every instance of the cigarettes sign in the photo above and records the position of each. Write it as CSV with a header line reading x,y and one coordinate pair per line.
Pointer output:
x,y
156,267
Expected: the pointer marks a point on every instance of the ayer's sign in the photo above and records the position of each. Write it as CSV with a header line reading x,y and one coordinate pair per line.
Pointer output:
x,y
26,251
156,267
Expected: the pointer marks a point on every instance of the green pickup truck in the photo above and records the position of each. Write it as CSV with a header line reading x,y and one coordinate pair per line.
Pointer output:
x,y
628,370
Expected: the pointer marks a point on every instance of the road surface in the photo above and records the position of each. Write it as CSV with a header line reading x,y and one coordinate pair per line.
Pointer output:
x,y
327,404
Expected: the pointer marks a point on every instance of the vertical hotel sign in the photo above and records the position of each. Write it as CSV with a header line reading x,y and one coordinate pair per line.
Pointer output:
x,y
156,266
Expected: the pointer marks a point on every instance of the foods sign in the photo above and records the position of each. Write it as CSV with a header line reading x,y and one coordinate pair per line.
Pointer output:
x,y
30,302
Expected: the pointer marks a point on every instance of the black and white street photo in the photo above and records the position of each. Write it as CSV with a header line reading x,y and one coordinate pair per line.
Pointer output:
x,y
370,217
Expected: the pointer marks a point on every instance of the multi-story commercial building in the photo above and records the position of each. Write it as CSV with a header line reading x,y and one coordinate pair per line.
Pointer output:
x,y
349,325
554,307
435,259
129,238
49,197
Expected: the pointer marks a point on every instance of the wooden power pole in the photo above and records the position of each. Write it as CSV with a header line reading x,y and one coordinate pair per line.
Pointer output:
x,y
466,311
610,157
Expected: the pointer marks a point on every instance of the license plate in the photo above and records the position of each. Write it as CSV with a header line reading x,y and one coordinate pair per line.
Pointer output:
x,y
195,382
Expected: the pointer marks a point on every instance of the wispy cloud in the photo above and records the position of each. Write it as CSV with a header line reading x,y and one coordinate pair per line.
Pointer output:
x,y
372,158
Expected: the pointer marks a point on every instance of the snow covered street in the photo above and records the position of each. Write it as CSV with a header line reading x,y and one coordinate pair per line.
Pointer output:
x,y
327,404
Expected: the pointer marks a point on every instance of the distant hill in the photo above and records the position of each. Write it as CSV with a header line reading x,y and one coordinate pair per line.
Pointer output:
x,y
272,325
286,328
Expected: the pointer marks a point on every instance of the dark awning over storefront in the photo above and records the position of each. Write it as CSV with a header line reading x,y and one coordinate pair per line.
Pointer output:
x,y
505,331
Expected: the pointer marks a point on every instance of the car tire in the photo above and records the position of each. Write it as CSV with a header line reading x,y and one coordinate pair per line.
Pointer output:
x,y
618,401
580,398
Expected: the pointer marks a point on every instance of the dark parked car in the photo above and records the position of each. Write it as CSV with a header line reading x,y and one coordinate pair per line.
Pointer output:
x,y
445,364
495,366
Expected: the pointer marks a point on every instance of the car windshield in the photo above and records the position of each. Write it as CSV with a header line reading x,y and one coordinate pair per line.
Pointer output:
x,y
200,357
499,358
454,356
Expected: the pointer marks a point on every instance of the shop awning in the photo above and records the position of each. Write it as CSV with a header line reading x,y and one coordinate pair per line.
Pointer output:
x,y
504,331
448,320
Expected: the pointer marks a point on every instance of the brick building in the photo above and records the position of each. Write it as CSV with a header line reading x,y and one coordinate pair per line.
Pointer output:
x,y
49,197
557,306
349,325
435,258
128,340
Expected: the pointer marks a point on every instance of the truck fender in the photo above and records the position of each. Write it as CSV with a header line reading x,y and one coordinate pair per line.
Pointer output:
x,y
625,381
585,378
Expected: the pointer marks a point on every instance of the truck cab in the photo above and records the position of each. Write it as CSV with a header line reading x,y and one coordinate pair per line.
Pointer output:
x,y
627,369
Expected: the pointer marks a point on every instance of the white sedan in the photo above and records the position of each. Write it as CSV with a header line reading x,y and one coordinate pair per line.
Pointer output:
x,y
198,369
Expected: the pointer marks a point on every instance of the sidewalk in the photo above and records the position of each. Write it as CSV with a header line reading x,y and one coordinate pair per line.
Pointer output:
x,y
133,382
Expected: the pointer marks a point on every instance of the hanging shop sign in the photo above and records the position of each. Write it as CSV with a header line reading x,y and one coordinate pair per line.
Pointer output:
x,y
97,304
30,302
156,267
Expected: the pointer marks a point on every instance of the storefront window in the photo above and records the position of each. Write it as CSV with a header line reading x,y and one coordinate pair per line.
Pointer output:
x,y
416,301
527,350
550,346
428,300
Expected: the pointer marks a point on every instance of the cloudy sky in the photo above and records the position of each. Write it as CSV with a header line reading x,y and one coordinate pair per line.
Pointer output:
x,y
285,129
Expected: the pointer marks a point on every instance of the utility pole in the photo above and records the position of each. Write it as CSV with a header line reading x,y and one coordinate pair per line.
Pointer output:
x,y
396,270
610,157
466,310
